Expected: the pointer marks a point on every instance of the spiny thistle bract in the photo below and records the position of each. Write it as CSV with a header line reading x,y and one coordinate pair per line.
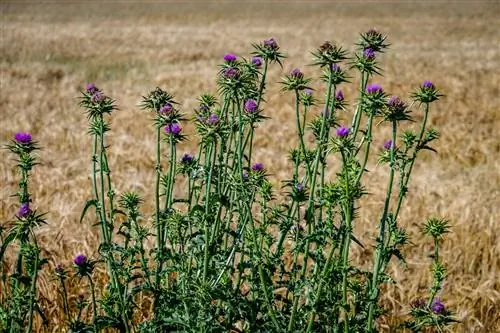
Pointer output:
x,y
221,242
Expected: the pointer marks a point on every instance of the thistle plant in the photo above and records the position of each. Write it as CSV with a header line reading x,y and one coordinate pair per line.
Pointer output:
x,y
222,248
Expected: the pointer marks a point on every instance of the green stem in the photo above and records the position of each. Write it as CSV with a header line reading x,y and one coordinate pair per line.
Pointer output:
x,y
94,303
207,208
357,114
32,297
159,229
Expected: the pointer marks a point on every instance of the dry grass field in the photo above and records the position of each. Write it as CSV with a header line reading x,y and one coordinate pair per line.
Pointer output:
x,y
49,51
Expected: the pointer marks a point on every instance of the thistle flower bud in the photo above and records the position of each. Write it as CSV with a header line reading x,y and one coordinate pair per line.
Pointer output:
x,y
257,61
229,57
271,44
80,260
437,306
258,167
23,137
167,108
342,132
251,106
24,210
174,129
373,89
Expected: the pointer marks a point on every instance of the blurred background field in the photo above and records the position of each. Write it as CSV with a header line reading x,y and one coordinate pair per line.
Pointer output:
x,y
50,50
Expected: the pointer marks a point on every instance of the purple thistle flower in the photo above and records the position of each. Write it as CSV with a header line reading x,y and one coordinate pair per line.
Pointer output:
x,y
437,306
80,260
174,129
300,187
24,210
428,84
388,144
335,68
91,88
258,167
23,137
296,73
342,132
308,92
230,73
257,61
98,97
251,106
374,89
369,53
213,119
271,44
166,108
187,158
339,96
229,57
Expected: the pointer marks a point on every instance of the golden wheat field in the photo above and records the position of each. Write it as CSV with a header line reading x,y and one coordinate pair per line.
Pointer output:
x,y
49,51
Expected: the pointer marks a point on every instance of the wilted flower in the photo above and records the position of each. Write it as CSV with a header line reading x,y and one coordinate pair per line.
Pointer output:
x,y
388,144
342,132
231,72
174,129
271,44
166,108
257,61
418,303
437,306
187,158
296,73
23,137
339,96
229,57
369,53
98,97
24,210
91,88
251,106
258,167
59,269
335,68
374,89
80,260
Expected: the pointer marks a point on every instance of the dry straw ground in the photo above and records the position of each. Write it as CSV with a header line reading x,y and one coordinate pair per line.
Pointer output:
x,y
48,52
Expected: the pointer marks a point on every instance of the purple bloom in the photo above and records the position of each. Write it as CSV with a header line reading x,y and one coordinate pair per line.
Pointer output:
x,y
437,306
251,106
229,57
271,44
80,259
374,89
339,96
230,72
343,132
308,92
369,53
428,84
98,97
174,129
388,144
24,210
166,108
296,73
257,61
335,68
186,158
258,167
23,137
91,88
300,187
213,119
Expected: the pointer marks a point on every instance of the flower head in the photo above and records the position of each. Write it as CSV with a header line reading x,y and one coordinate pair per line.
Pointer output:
x,y
437,306
98,97
250,106
174,129
187,158
296,73
335,68
80,259
91,88
213,119
230,73
369,53
271,44
229,57
165,109
24,210
343,132
339,96
23,137
388,144
257,61
300,187
258,167
374,89
427,84
308,92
